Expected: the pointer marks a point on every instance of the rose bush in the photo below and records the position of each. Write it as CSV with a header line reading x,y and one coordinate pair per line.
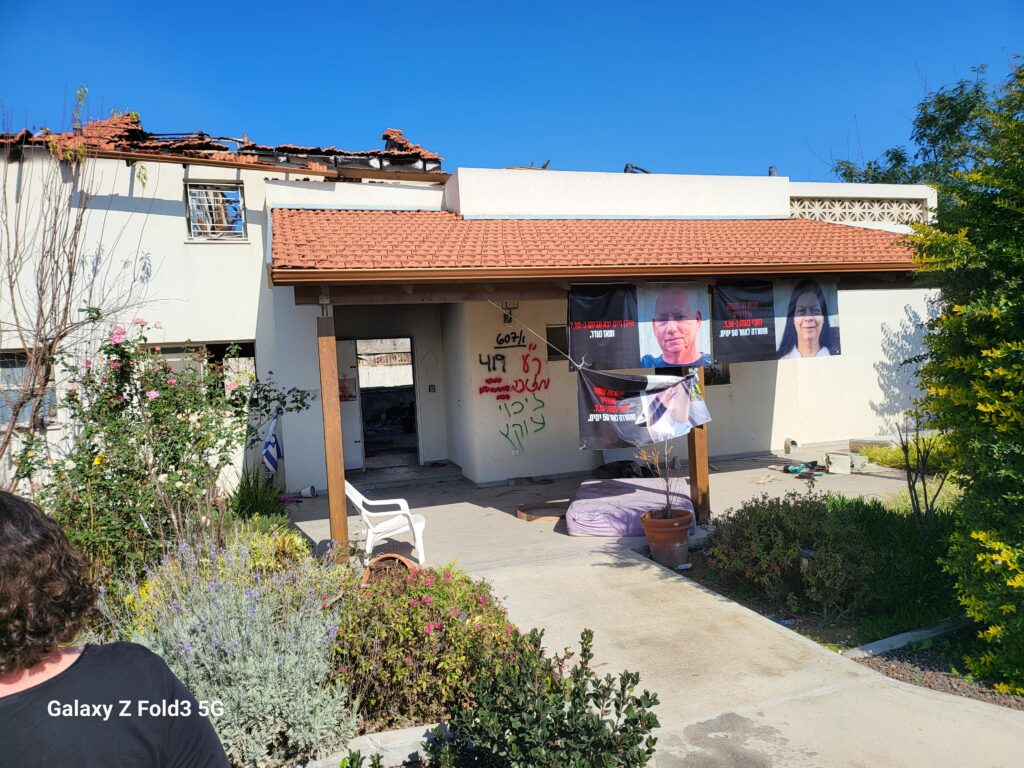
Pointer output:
x,y
150,444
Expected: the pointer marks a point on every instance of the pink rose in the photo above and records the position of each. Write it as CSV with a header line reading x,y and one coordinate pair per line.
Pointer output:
x,y
138,321
87,364
157,349
118,335
447,576
152,394
427,600
115,364
232,386
172,381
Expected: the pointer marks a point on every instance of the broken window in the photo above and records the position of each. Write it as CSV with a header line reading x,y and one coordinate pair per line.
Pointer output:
x,y
558,342
215,211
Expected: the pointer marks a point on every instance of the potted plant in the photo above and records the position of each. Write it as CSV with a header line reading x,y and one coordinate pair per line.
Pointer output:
x,y
667,527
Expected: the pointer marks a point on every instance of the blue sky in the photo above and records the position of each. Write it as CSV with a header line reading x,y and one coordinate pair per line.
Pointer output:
x,y
680,87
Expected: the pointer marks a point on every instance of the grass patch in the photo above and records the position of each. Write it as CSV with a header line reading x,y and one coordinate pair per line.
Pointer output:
x,y
940,459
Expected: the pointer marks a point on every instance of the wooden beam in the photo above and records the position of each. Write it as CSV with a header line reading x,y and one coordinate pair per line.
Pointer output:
x,y
446,293
334,452
697,461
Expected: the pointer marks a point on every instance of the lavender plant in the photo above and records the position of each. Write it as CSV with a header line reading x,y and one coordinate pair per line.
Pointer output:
x,y
255,643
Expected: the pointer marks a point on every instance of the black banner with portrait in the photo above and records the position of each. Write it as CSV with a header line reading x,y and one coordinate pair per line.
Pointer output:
x,y
743,323
620,411
659,325
603,330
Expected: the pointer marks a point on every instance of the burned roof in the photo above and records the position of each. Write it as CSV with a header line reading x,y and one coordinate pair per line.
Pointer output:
x,y
123,134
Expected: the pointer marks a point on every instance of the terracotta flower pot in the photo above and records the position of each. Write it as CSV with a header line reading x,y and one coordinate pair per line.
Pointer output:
x,y
668,537
384,563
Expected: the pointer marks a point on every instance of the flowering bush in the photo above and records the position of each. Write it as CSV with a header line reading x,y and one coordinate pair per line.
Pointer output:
x,y
408,647
255,635
150,444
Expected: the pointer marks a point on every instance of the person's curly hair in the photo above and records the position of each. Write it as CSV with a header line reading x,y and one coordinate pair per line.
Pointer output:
x,y
45,591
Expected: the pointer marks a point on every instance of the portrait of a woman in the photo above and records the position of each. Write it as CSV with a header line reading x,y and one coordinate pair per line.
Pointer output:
x,y
807,332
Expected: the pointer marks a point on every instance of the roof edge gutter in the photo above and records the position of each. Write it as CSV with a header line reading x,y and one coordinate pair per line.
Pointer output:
x,y
281,276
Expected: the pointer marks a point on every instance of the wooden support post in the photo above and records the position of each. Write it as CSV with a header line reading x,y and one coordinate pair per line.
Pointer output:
x,y
697,460
334,452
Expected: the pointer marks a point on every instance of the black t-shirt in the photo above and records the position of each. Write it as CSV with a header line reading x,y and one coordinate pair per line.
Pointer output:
x,y
116,705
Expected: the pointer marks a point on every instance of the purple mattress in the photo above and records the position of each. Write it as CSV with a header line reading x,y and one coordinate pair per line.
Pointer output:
x,y
613,507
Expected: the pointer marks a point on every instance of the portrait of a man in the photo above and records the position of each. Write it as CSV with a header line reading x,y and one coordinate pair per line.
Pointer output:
x,y
673,325
673,412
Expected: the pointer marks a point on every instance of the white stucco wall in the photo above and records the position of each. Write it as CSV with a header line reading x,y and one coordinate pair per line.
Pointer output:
x,y
346,195
533,433
490,193
459,389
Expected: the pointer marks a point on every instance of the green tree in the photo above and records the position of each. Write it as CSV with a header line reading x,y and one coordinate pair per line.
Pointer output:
x,y
946,132
973,372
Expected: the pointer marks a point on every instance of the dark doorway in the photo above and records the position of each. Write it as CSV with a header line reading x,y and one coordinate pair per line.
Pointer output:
x,y
388,396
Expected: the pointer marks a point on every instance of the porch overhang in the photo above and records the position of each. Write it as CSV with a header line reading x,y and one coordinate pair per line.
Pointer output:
x,y
361,247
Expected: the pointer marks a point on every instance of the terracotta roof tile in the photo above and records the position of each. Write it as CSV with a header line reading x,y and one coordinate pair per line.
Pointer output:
x,y
354,241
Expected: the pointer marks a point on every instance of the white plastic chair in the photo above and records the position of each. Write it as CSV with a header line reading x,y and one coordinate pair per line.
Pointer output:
x,y
382,524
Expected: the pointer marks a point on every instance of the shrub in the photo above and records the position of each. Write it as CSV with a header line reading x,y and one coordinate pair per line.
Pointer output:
x,y
150,443
859,557
355,759
408,647
991,589
272,543
256,494
529,714
259,640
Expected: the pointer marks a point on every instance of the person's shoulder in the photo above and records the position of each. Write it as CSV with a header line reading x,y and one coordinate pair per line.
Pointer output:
x,y
650,361
124,654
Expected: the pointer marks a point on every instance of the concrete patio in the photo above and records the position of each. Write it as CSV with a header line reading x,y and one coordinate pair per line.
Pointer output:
x,y
736,689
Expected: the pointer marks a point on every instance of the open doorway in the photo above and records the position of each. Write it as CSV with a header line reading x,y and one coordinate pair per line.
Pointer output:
x,y
388,399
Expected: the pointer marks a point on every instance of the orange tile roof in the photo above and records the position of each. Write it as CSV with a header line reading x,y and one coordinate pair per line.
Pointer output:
x,y
378,245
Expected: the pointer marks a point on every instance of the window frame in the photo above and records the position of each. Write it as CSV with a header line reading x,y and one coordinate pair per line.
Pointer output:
x,y
29,419
194,234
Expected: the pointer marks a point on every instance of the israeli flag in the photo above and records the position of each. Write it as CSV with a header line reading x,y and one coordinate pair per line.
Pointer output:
x,y
271,448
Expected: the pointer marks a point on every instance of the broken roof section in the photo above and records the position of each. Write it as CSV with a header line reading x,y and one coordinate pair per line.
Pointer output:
x,y
123,135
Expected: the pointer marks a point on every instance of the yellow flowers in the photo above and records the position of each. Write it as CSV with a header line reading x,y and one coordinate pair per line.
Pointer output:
x,y
99,461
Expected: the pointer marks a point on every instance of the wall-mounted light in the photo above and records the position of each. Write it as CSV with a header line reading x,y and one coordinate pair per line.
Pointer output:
x,y
506,310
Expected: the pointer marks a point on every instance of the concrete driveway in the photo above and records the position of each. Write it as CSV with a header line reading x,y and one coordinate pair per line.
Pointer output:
x,y
736,689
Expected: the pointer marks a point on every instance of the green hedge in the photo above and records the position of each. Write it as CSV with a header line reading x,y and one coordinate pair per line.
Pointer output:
x,y
861,559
